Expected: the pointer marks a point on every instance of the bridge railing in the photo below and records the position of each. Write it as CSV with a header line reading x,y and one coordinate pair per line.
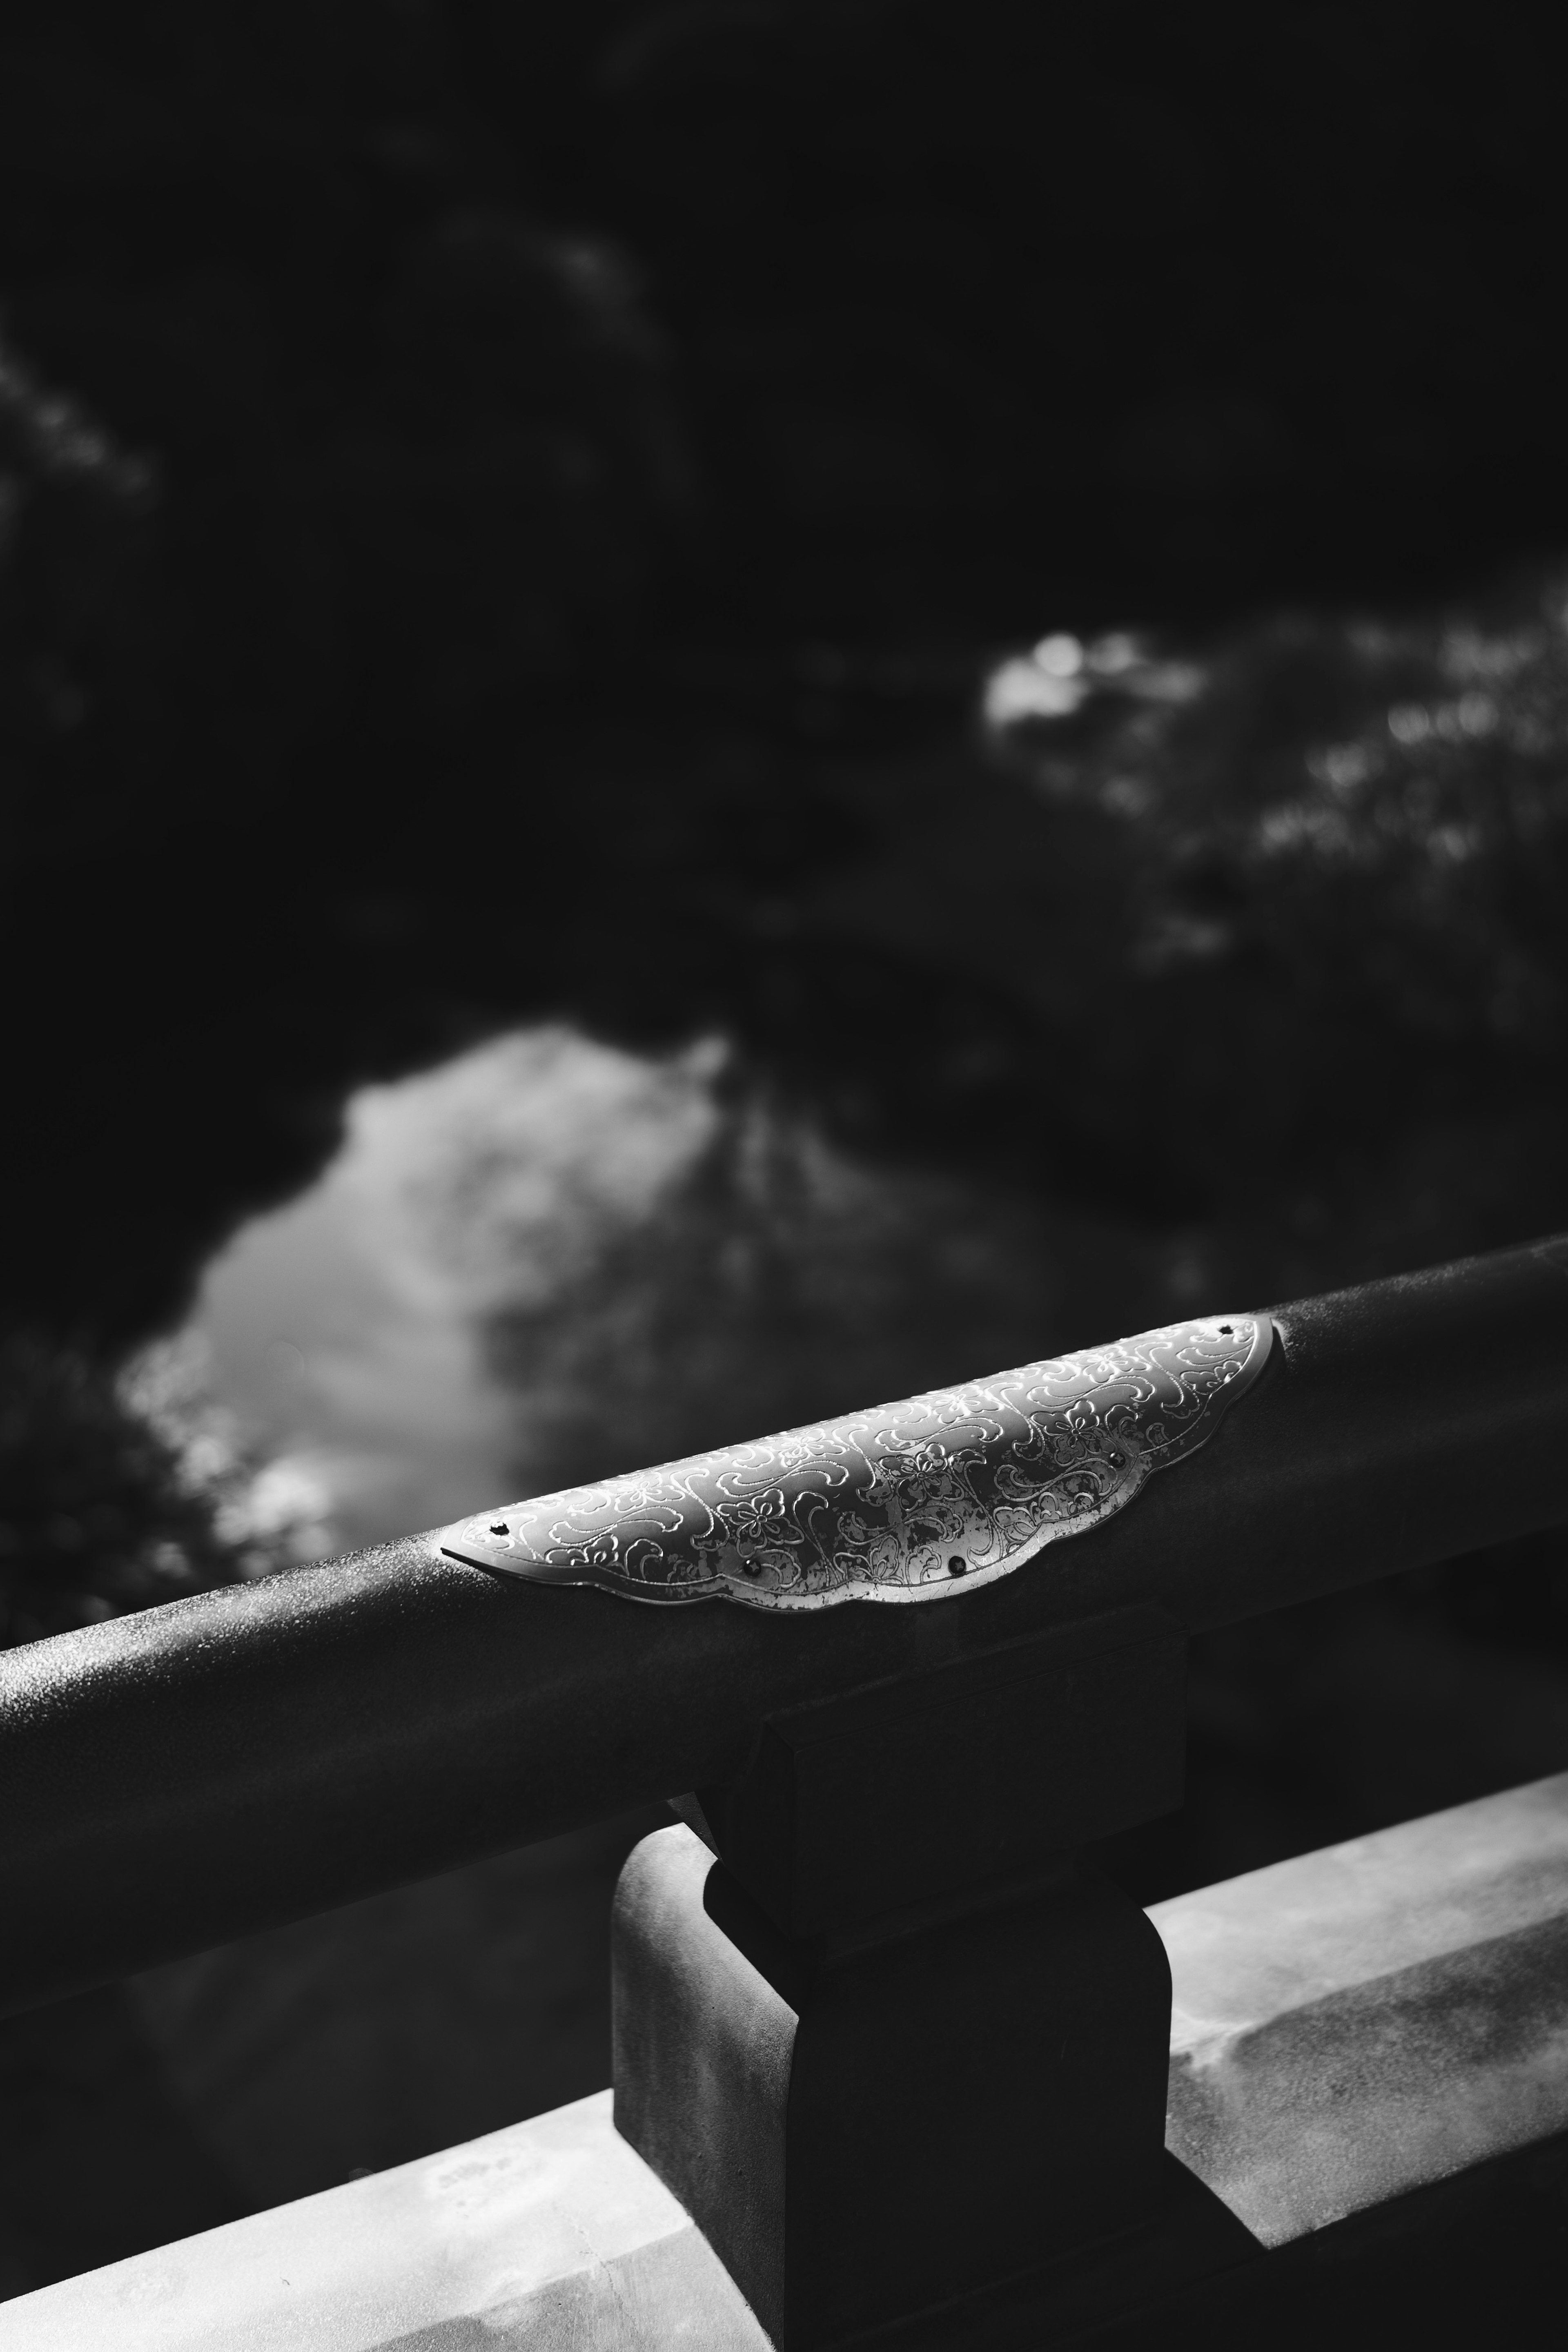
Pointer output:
x,y
877,1897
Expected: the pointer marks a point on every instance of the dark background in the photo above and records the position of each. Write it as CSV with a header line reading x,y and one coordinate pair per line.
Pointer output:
x,y
507,513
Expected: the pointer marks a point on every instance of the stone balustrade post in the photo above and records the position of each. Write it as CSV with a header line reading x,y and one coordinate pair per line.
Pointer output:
x,y
877,2025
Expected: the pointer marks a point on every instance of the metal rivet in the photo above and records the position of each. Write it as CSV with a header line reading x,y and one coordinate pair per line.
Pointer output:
x,y
955,1566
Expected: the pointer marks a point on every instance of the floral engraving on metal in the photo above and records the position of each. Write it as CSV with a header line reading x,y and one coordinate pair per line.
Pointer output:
x,y
916,1501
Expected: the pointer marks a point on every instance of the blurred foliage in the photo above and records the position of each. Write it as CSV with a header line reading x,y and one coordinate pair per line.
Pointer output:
x,y
100,1509
509,514
773,1281
1326,863
512,513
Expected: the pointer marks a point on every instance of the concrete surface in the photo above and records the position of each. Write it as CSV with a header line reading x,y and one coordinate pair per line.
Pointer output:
x,y
551,2234
1348,2026
1358,2022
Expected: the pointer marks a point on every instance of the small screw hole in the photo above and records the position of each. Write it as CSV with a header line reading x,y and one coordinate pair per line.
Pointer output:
x,y
1225,1330
956,1567
499,1528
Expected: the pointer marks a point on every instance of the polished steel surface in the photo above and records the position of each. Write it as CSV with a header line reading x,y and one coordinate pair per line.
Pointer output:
x,y
914,1501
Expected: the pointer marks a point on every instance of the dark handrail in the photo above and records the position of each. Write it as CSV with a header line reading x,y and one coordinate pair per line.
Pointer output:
x,y
222,1764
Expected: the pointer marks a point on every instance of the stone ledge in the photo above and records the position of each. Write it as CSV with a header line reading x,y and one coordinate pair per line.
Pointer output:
x,y
1358,2023
1360,2036
551,2232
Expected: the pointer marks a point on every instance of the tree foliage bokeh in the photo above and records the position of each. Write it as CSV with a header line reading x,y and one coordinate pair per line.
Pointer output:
x,y
510,513
513,514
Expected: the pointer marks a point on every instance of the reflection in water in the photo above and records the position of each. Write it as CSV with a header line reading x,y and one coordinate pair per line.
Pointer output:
x,y
546,1260
550,1259
345,1334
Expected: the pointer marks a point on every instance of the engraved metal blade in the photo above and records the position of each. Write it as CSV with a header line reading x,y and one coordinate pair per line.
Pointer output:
x,y
915,1501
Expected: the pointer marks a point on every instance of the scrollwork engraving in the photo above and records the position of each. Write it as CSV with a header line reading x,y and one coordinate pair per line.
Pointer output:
x,y
916,1501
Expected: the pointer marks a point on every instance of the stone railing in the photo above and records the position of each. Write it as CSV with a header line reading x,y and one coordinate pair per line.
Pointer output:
x,y
891,2063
